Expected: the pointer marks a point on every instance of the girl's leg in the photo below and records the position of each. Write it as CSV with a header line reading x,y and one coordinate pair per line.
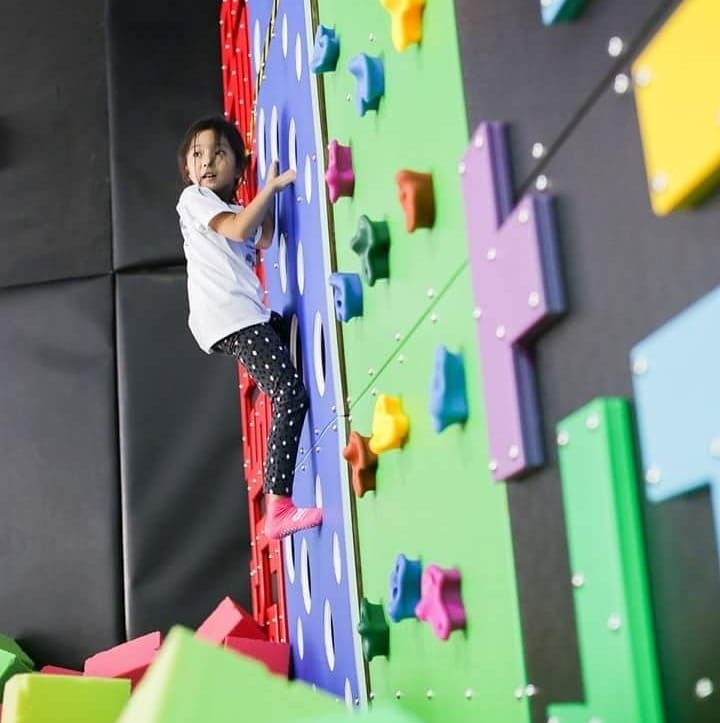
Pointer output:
x,y
261,351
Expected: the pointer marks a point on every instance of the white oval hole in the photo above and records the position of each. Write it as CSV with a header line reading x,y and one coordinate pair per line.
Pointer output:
x,y
337,558
298,57
305,575
308,179
329,637
318,492
348,693
319,353
294,347
274,139
289,550
284,36
262,161
292,145
300,267
282,262
256,45
300,639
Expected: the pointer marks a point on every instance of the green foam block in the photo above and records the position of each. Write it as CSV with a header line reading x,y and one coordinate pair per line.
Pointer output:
x,y
10,665
192,680
37,698
10,646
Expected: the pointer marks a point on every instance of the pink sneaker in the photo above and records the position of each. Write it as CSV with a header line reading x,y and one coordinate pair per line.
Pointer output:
x,y
282,518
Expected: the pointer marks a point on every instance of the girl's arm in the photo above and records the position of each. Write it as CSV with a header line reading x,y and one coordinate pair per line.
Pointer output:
x,y
238,226
268,228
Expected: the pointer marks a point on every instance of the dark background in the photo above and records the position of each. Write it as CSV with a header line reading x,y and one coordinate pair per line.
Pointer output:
x,y
122,501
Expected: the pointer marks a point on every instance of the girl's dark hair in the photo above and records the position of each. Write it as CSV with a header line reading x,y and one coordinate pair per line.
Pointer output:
x,y
223,129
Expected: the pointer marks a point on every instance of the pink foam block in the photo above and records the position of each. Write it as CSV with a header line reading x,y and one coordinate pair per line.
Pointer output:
x,y
440,602
56,670
229,619
340,177
129,660
275,656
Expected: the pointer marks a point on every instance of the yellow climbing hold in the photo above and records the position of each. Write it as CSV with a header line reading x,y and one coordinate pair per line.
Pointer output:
x,y
678,106
389,425
406,21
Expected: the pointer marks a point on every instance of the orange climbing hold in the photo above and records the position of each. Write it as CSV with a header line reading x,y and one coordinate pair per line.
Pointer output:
x,y
406,21
415,191
363,462
389,426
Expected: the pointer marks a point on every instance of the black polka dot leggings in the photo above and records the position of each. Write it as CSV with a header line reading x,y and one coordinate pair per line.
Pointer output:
x,y
262,352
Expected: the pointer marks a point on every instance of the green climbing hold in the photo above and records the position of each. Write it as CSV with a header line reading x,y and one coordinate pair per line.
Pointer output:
x,y
373,630
372,243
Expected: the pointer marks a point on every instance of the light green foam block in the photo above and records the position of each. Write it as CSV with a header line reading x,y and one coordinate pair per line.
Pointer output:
x,y
612,607
435,501
10,646
421,125
37,698
10,665
192,680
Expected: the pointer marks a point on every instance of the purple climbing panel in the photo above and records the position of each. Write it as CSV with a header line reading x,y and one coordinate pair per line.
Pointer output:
x,y
321,602
518,290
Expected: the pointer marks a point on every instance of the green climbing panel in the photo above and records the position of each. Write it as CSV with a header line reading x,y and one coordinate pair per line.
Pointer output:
x,y
37,698
421,131
192,680
600,493
435,501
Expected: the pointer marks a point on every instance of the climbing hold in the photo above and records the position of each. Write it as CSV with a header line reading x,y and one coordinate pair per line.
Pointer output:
x,y
339,176
363,462
373,630
404,588
370,82
415,191
326,51
406,21
448,398
389,425
347,295
440,602
558,11
372,243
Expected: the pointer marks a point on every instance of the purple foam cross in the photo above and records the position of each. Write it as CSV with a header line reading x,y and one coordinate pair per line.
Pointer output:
x,y
518,290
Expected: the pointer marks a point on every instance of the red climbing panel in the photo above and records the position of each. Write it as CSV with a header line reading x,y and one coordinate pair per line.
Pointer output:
x,y
266,572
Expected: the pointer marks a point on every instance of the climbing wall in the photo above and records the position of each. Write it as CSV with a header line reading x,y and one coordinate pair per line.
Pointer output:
x,y
319,564
434,500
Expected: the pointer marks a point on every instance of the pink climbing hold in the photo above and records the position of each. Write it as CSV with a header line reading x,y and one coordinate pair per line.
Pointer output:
x,y
339,177
440,602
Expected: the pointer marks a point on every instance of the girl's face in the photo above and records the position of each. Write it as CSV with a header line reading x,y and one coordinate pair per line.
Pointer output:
x,y
211,163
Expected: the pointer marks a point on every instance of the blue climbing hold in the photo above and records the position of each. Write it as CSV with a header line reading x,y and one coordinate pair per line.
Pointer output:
x,y
404,588
448,398
326,51
370,81
347,295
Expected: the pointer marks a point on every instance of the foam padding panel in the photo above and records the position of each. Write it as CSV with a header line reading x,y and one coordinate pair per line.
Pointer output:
x,y
181,459
435,501
540,78
677,108
192,680
601,496
425,132
627,273
54,191
673,380
321,602
61,592
163,75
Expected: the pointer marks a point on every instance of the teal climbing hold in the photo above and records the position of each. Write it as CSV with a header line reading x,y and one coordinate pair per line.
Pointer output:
x,y
347,295
448,397
372,243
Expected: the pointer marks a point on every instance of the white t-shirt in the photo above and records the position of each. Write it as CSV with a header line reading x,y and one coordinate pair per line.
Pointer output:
x,y
224,293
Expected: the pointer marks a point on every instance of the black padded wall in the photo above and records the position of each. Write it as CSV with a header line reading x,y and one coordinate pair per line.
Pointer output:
x,y
54,189
627,273
184,498
164,63
60,583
